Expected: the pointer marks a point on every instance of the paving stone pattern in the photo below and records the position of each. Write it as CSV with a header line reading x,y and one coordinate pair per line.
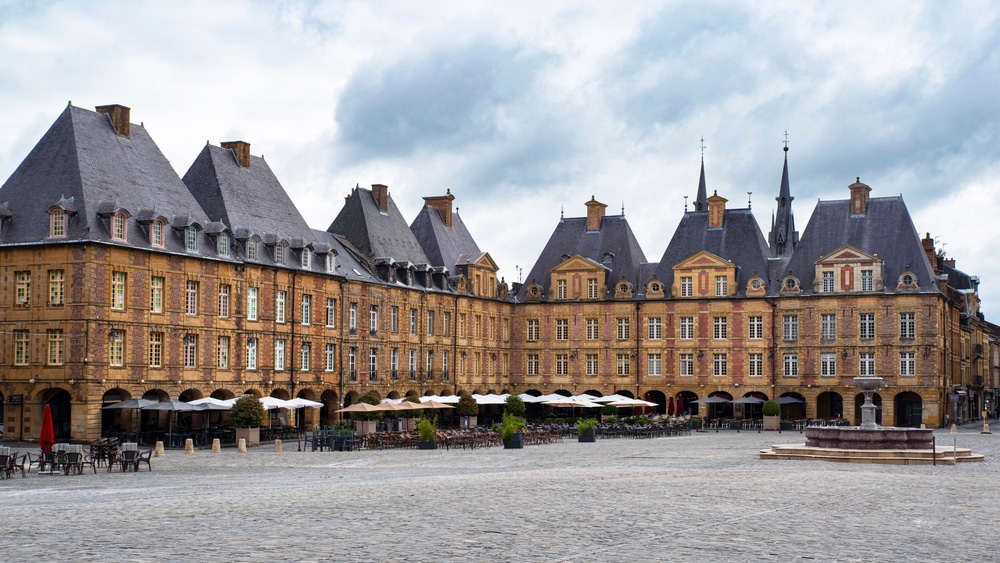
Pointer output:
x,y
704,497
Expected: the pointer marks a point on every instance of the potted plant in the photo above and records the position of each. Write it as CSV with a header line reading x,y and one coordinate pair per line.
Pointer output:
x,y
515,406
365,422
427,433
468,410
510,428
608,412
587,428
247,414
787,424
772,418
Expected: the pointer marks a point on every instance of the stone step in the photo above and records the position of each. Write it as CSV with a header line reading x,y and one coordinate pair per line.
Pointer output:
x,y
942,455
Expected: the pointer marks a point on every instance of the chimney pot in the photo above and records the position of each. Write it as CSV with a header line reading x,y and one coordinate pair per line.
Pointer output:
x,y
119,115
443,204
595,214
242,151
381,194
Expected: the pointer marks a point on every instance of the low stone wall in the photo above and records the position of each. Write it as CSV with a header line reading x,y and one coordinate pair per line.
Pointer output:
x,y
854,438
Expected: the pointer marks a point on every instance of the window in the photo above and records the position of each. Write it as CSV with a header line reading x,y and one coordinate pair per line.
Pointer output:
x,y
791,365
329,357
591,288
720,365
907,325
224,301
352,364
624,328
562,364
57,223
191,239
592,330
446,325
532,364
866,330
866,363
279,305
156,295
721,286
305,259
155,349
305,356
279,253
477,326
372,364
413,321
413,364
190,351
394,319
562,329
331,312
719,328
373,319
191,298
755,365
306,309
655,328
686,286
907,363
156,233
444,365
251,353
828,326
57,286
827,282
118,231
687,364
22,292
222,244
687,328
22,348
867,280
592,364
116,349
561,289
352,318
430,323
790,327
828,364
251,304
252,249
394,363
330,263
624,364
429,364
756,328
532,330
222,353
653,364
279,355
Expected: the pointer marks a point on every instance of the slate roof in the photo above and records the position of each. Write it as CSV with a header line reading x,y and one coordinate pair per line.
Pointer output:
x,y
349,265
82,164
571,238
886,229
377,234
739,240
443,245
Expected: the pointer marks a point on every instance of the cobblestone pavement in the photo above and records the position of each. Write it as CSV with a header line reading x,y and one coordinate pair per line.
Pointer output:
x,y
704,497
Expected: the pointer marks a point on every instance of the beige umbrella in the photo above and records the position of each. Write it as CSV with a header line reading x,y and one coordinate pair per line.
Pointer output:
x,y
432,404
403,406
361,407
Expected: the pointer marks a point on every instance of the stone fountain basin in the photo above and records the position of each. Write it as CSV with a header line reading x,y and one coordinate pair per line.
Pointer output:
x,y
882,438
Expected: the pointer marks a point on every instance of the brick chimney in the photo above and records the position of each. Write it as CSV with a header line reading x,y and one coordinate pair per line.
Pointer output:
x,y
928,244
381,194
716,210
595,214
859,197
119,115
443,204
242,151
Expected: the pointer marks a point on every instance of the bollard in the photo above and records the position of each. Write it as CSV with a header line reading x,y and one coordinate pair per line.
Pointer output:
x,y
158,451
241,447
277,445
216,445
189,446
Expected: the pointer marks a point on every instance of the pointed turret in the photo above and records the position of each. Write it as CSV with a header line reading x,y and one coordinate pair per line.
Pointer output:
x,y
701,203
783,237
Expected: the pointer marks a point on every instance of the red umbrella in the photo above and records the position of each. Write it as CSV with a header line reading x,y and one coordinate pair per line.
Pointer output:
x,y
47,436
670,406
680,405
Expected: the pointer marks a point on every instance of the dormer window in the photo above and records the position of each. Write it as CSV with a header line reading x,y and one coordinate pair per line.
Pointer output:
x,y
222,244
253,244
156,233
331,263
279,253
306,259
57,223
191,238
118,231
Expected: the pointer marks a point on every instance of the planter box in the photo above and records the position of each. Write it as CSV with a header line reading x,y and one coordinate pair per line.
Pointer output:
x,y
427,445
590,436
772,422
516,442
252,436
788,426
364,427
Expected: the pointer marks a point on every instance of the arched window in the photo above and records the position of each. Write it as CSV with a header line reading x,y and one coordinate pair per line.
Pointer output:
x,y
191,238
223,244
57,223
118,231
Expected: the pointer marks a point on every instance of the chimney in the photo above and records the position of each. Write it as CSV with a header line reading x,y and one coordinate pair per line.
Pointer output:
x,y
595,214
119,115
716,210
242,151
859,197
381,194
928,244
443,204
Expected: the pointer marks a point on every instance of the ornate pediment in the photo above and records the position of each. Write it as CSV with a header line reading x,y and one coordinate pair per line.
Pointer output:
x,y
704,274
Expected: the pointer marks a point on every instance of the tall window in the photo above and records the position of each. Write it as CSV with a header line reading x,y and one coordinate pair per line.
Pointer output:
x,y
866,363
394,363
373,319
252,248
562,364
191,298
224,301
413,321
307,301
156,295
532,364
756,327
720,328
306,259
562,329
251,353
755,365
720,365
156,233
687,328
394,319
305,356
907,325
352,317
591,288
560,289
222,353
190,351
721,286
791,365
155,349
687,364
790,327
686,286
446,325
279,305
118,291
430,323
653,366
828,326
251,304
57,286
22,349
624,364
330,357
907,363
828,364
222,244
57,223
22,281
592,364
118,226
116,349
279,355
372,364
331,312
279,253
477,326
867,280
624,328
191,239
866,329
828,282
444,365
330,263
412,364
592,329
429,364
655,328
532,330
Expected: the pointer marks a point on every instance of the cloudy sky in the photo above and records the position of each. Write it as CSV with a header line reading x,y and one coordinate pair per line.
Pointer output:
x,y
526,109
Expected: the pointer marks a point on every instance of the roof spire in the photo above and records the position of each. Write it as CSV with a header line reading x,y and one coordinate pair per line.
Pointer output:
x,y
701,202
783,237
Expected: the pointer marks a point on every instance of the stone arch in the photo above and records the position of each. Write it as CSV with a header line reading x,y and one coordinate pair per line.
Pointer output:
x,y
829,404
251,391
908,409
281,393
116,420
793,411
563,392
688,404
393,395
859,400
61,406
331,404
658,397
594,392
223,394
720,410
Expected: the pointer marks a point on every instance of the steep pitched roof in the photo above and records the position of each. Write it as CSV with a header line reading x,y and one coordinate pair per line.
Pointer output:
x,y
443,245
377,234
84,165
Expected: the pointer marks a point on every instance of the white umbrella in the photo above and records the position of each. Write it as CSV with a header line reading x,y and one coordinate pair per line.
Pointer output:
x,y
213,404
300,402
611,398
490,399
632,403
275,403
572,402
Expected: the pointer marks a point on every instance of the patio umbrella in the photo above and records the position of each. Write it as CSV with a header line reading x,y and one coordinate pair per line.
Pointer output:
x,y
432,404
361,407
173,406
274,403
129,404
680,405
632,403
670,406
712,400
211,404
787,401
47,435
300,402
748,401
490,399
610,398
